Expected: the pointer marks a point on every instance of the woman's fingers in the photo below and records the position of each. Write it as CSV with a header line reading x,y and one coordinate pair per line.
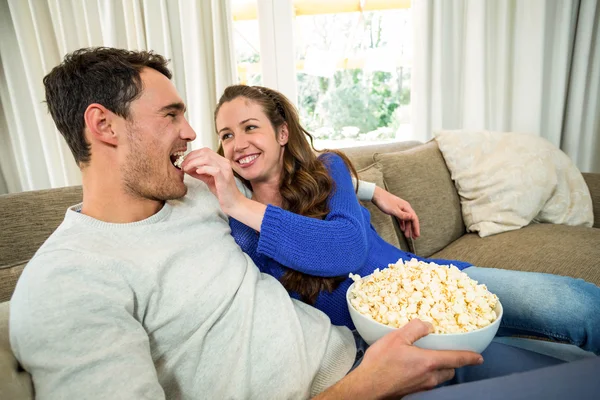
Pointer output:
x,y
408,229
205,156
189,166
411,216
416,227
208,170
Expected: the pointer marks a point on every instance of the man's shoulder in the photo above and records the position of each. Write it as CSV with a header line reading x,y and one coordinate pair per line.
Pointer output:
x,y
54,267
197,197
70,250
197,190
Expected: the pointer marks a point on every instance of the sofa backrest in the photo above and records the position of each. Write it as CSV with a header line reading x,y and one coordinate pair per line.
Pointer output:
x,y
26,221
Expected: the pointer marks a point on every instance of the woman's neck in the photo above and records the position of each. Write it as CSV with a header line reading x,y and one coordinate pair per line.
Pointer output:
x,y
267,193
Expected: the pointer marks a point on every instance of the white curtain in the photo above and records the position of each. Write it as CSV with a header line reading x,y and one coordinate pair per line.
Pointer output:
x,y
510,65
195,35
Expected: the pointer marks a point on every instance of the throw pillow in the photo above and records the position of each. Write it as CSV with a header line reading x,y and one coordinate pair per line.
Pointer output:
x,y
506,180
419,176
383,223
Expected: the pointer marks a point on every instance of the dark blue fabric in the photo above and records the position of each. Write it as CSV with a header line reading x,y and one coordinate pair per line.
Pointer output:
x,y
516,374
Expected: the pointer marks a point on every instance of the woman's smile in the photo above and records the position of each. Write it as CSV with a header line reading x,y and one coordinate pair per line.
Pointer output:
x,y
247,160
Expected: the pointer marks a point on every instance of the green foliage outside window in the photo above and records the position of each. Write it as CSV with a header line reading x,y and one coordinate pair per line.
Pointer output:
x,y
352,98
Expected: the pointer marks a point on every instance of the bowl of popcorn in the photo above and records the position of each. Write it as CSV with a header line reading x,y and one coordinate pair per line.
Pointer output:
x,y
464,314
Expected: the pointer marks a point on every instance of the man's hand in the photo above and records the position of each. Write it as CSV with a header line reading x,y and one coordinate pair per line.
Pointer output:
x,y
392,367
401,209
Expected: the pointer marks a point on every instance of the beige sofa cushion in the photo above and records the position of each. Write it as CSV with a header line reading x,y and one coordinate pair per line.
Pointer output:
x,y
15,383
554,249
362,156
506,180
9,275
383,223
419,175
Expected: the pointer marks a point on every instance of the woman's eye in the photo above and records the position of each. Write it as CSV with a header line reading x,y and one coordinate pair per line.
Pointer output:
x,y
251,127
226,136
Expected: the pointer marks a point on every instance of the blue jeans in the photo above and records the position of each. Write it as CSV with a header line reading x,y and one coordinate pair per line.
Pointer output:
x,y
543,305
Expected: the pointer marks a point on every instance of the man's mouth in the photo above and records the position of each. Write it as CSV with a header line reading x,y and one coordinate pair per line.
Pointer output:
x,y
247,159
177,158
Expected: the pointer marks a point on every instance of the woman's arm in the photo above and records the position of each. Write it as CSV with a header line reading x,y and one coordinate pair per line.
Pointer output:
x,y
333,246
390,205
365,190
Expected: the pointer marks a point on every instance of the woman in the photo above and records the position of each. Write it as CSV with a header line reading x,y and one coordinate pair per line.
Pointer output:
x,y
304,225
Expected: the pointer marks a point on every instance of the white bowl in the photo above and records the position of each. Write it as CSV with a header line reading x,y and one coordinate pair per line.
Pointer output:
x,y
477,341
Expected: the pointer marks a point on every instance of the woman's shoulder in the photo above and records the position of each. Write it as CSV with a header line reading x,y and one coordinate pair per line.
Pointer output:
x,y
336,166
332,160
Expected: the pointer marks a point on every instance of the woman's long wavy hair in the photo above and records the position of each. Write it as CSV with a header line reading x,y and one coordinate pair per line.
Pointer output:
x,y
305,184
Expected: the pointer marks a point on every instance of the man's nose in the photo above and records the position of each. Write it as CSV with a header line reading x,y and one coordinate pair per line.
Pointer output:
x,y
188,133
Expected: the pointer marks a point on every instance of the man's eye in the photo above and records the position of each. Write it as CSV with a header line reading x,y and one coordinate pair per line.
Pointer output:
x,y
172,115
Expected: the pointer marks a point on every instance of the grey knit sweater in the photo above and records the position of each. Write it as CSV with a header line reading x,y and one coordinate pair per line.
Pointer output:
x,y
168,307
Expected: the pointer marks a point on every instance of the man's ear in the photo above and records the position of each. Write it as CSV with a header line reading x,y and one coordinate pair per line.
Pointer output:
x,y
283,135
99,122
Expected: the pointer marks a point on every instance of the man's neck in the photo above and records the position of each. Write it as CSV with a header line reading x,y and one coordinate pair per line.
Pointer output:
x,y
112,203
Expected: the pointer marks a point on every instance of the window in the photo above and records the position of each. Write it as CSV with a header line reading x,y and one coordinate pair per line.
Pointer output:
x,y
247,42
352,66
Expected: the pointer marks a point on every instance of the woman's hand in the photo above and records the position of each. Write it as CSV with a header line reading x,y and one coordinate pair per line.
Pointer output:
x,y
216,172
401,209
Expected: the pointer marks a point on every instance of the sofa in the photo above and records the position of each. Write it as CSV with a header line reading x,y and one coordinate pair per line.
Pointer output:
x,y
411,170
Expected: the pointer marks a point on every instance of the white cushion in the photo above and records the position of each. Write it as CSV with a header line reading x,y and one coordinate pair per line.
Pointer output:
x,y
506,180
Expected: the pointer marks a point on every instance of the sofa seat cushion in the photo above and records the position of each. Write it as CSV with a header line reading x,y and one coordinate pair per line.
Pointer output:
x,y
15,383
555,249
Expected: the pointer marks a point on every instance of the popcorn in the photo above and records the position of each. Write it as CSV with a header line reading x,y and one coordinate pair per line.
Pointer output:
x,y
440,294
180,157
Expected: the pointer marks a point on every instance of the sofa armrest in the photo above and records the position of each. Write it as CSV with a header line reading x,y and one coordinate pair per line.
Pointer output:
x,y
593,182
14,382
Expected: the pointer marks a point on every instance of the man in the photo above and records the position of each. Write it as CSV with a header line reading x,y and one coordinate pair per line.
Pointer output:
x,y
142,292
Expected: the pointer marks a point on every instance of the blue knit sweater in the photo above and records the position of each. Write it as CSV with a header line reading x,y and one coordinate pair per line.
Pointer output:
x,y
343,242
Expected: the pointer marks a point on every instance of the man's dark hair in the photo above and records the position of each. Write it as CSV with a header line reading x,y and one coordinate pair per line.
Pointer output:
x,y
103,75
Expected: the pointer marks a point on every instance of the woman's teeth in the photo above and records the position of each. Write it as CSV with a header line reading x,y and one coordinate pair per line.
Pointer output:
x,y
248,159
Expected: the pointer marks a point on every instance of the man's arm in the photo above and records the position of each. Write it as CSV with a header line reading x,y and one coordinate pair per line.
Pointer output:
x,y
392,367
72,328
